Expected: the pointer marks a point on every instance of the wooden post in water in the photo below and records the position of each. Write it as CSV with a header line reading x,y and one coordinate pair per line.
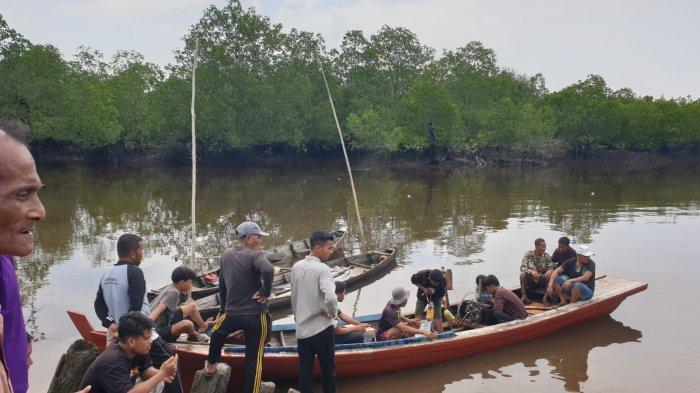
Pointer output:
x,y
72,366
194,154
363,243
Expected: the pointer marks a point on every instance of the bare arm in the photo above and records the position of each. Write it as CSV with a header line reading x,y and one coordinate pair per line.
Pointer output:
x,y
554,276
406,328
152,377
155,313
343,330
349,320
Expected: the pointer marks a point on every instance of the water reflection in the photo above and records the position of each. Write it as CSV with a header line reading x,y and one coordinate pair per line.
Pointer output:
x,y
89,208
562,356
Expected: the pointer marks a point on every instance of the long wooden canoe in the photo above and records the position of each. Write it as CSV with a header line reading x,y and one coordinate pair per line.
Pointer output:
x,y
207,281
354,360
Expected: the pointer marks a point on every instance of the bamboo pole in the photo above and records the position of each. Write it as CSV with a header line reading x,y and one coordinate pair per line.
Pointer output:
x,y
363,244
194,154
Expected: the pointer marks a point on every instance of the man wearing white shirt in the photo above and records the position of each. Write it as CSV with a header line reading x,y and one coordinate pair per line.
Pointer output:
x,y
315,306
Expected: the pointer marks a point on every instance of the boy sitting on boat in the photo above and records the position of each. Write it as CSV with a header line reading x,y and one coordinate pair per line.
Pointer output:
x,y
174,312
353,331
507,306
575,279
393,325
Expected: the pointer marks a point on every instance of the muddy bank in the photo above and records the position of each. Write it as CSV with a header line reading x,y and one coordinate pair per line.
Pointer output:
x,y
62,155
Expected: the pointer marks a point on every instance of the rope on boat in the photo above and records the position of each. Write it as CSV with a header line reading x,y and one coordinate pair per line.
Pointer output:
x,y
194,154
345,154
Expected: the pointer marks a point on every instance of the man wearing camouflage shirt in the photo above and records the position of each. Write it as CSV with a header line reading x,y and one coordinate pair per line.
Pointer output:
x,y
536,269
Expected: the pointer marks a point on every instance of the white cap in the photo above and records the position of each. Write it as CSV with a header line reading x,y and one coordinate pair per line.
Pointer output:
x,y
584,250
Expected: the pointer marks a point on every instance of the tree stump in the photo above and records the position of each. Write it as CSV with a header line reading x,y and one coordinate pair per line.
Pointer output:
x,y
72,367
216,383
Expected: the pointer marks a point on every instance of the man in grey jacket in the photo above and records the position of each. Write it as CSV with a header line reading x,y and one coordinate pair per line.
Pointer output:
x,y
315,306
245,282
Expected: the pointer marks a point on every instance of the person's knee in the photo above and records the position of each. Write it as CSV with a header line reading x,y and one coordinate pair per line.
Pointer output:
x,y
187,309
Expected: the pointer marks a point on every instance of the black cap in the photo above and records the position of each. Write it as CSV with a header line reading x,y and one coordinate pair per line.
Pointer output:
x,y
436,275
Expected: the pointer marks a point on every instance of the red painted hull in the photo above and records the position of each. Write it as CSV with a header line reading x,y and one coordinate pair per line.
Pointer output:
x,y
361,362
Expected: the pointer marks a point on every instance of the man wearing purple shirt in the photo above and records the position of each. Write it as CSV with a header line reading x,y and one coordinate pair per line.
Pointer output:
x,y
20,208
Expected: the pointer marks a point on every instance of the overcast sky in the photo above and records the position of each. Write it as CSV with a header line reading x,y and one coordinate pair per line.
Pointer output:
x,y
652,47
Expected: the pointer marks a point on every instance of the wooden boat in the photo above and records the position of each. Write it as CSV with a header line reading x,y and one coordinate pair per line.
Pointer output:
x,y
207,281
354,360
355,272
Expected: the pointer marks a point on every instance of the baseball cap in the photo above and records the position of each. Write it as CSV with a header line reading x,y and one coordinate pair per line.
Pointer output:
x,y
584,250
249,228
398,295
435,275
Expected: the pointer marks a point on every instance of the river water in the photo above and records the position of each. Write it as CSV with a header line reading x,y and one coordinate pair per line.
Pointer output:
x,y
643,224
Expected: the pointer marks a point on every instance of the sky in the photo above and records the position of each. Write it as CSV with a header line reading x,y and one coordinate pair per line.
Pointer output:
x,y
652,47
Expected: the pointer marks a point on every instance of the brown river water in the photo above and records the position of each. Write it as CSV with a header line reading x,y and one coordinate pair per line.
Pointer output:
x,y
643,225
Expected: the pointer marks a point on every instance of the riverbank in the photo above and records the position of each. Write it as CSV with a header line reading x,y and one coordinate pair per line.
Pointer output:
x,y
53,155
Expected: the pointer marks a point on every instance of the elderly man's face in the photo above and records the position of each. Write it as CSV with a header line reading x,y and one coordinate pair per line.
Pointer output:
x,y
20,206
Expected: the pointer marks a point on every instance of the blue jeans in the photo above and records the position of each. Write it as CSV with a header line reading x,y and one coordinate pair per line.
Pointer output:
x,y
586,293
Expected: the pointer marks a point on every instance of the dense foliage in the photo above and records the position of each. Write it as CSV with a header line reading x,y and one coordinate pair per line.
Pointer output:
x,y
259,89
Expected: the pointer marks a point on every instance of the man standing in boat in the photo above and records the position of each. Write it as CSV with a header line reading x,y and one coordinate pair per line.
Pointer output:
x,y
315,307
535,269
431,289
245,283
575,278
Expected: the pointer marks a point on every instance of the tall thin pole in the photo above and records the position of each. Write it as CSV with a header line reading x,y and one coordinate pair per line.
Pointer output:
x,y
345,154
194,154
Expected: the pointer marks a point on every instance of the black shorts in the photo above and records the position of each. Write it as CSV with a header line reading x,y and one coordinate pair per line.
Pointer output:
x,y
166,332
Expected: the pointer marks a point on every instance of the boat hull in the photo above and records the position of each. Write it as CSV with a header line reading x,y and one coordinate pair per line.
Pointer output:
x,y
362,362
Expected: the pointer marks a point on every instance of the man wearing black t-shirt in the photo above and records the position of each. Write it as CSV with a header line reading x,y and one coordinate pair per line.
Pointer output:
x,y
563,252
116,369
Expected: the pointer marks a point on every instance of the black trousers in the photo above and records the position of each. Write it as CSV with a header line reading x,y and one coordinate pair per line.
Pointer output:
x,y
322,345
255,327
500,317
160,352
350,338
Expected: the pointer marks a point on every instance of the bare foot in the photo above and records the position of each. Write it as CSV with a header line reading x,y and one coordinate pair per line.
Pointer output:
x,y
561,304
209,368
